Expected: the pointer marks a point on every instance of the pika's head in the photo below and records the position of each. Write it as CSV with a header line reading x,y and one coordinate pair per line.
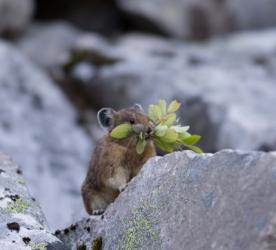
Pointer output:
x,y
109,118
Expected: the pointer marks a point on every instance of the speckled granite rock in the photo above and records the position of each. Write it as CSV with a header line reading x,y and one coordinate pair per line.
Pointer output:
x,y
216,201
38,127
15,15
78,234
22,223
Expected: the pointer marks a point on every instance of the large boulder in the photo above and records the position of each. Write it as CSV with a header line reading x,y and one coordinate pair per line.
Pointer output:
x,y
22,223
227,87
222,201
48,44
15,16
198,19
38,127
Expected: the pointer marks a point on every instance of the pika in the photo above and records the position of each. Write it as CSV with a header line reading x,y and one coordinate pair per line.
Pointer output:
x,y
115,162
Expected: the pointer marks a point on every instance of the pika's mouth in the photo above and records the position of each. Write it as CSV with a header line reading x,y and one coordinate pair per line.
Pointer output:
x,y
140,128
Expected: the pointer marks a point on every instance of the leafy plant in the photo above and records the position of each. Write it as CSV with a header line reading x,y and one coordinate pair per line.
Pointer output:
x,y
121,131
168,135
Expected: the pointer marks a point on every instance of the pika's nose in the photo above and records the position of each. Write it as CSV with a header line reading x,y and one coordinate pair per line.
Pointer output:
x,y
149,130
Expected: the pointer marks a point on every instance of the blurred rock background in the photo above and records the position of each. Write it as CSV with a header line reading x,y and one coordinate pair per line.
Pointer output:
x,y
62,60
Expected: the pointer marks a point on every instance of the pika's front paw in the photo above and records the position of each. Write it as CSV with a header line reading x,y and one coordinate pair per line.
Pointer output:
x,y
122,188
98,212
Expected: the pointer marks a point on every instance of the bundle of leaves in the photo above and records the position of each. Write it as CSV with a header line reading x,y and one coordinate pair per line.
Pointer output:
x,y
168,134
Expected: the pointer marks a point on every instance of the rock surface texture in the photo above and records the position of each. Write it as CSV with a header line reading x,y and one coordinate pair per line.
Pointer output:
x,y
47,45
200,18
210,201
38,128
217,82
22,223
15,15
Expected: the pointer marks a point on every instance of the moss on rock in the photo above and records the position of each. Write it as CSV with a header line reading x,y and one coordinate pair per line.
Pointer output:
x,y
97,244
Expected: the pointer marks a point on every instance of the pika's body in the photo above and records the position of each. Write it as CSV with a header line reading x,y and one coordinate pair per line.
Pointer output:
x,y
115,161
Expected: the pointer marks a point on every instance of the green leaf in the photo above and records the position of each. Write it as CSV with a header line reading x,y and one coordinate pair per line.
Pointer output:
x,y
163,146
140,146
121,131
174,106
191,140
163,107
184,135
160,130
151,113
170,136
154,113
180,130
158,111
194,148
169,120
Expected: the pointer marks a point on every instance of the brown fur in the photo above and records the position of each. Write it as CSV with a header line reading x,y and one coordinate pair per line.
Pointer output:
x,y
114,162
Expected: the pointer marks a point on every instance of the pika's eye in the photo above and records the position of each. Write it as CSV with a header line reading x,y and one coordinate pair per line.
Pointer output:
x,y
131,120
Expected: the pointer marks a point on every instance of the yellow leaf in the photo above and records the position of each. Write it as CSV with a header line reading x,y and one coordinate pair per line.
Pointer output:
x,y
163,106
170,119
154,112
151,113
174,106
158,111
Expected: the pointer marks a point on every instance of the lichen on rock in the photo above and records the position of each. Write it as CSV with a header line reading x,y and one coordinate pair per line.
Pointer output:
x,y
38,246
184,196
18,206
22,223
138,228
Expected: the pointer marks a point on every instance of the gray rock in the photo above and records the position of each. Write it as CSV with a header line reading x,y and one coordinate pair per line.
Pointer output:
x,y
201,18
38,127
139,68
22,223
48,45
78,234
211,201
15,15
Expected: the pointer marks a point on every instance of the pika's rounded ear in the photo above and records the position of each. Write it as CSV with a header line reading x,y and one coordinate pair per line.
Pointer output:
x,y
105,117
139,107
